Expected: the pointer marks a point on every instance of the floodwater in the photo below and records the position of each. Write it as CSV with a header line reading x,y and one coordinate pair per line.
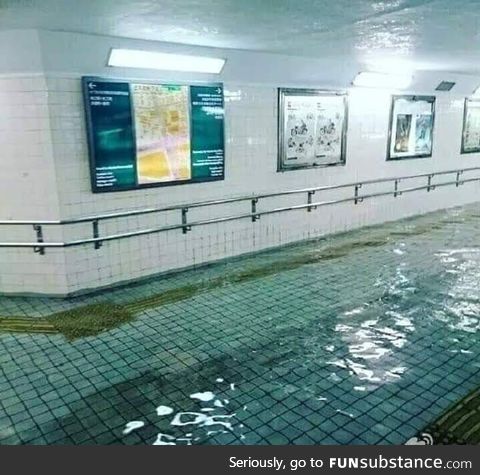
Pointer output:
x,y
362,338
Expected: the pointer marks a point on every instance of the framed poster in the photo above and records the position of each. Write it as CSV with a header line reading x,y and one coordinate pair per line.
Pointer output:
x,y
411,127
144,134
471,127
312,128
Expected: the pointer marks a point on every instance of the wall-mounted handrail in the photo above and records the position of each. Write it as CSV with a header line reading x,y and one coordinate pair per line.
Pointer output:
x,y
199,204
254,215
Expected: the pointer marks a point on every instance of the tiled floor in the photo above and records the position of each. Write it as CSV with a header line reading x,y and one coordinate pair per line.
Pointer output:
x,y
358,339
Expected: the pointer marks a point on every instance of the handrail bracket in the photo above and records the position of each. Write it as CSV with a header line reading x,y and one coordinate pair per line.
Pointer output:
x,y
185,226
309,200
396,191
430,187
357,197
255,216
96,234
39,233
458,182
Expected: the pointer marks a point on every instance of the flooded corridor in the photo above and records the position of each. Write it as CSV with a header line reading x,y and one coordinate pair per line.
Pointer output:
x,y
361,338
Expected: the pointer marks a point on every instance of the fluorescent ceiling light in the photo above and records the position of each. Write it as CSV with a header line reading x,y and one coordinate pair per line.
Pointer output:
x,y
130,58
383,80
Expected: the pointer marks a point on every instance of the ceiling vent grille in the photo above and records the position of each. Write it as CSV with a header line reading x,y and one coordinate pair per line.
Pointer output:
x,y
445,86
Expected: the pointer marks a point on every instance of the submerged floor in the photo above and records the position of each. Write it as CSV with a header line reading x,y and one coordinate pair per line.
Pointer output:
x,y
363,338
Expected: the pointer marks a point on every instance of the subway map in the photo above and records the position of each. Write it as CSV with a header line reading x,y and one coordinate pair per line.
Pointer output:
x,y
162,129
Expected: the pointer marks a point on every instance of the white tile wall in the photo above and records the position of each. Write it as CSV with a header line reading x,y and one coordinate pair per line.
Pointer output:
x,y
28,185
44,153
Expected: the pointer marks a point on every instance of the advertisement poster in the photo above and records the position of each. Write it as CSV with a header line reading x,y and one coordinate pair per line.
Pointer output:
x,y
145,134
423,133
402,135
471,127
328,144
311,129
411,133
300,132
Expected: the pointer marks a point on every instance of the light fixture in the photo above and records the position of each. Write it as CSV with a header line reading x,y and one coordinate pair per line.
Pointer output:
x,y
130,58
382,80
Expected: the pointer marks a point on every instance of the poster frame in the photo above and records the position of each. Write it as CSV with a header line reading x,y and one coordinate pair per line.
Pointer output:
x,y
90,132
465,112
410,97
284,92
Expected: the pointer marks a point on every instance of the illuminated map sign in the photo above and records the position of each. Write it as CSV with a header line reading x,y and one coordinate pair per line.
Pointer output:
x,y
144,134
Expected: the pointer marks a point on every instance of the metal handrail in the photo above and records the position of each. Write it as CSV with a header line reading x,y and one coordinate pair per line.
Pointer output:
x,y
199,204
254,215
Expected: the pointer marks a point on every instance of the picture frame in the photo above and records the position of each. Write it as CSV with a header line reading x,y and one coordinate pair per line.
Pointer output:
x,y
471,128
411,127
312,128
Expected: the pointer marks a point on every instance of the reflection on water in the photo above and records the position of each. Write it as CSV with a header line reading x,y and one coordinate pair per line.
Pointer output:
x,y
165,439
211,419
164,411
206,396
373,331
133,425
461,307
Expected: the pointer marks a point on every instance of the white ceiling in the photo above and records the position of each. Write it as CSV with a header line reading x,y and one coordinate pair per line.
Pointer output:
x,y
435,34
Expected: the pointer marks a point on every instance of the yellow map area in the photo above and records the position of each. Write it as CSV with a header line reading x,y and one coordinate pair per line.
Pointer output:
x,y
162,130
